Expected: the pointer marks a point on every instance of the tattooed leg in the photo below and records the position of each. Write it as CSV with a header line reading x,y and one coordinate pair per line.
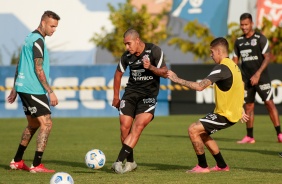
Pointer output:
x,y
29,131
45,129
194,131
210,144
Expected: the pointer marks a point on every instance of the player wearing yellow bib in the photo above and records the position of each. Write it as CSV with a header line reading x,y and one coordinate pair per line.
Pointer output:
x,y
229,98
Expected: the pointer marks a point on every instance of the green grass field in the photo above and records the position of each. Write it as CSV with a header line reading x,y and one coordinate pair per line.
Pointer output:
x,y
163,153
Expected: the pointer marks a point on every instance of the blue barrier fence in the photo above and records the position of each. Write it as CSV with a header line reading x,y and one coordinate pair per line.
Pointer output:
x,y
83,91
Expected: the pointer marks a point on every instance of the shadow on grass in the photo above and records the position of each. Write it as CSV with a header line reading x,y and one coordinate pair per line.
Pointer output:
x,y
262,170
6,167
152,166
187,137
264,152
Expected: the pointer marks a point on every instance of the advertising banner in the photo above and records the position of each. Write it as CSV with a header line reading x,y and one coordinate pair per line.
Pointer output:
x,y
82,91
212,14
271,9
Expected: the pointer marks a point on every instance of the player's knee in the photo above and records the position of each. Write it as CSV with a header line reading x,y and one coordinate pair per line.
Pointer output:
x,y
192,129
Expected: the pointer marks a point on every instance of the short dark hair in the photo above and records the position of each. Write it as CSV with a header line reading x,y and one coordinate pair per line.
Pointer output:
x,y
246,16
50,14
132,32
220,41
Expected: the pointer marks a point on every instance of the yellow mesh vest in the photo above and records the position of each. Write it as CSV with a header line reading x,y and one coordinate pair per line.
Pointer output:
x,y
230,103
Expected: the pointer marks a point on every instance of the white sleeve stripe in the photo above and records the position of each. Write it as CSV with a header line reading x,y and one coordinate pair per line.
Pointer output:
x,y
215,72
121,67
160,61
265,47
38,47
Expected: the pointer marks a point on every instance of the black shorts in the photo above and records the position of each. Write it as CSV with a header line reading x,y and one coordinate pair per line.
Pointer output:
x,y
35,105
133,103
262,88
214,122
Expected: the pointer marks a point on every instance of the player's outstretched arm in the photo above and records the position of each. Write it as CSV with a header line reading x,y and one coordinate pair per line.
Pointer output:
x,y
198,86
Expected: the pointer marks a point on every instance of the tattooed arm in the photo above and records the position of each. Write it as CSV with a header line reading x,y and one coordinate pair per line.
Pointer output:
x,y
38,63
38,66
198,86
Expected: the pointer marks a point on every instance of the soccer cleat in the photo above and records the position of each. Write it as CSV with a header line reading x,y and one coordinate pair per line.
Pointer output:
x,y
130,166
40,168
199,169
279,137
117,167
280,154
246,140
216,168
20,165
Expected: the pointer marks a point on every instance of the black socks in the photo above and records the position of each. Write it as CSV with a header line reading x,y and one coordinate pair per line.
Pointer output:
x,y
37,158
124,153
19,155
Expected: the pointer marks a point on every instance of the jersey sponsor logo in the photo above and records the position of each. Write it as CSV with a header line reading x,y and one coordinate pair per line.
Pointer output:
x,y
122,104
148,51
19,84
137,75
253,42
256,35
138,62
250,58
149,100
137,72
211,116
143,78
265,86
213,131
21,75
246,55
32,110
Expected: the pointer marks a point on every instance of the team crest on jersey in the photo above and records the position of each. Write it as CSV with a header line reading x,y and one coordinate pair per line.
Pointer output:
x,y
122,104
253,42
32,110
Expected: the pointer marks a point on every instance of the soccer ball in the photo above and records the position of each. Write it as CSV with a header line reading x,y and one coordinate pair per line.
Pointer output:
x,y
61,178
95,159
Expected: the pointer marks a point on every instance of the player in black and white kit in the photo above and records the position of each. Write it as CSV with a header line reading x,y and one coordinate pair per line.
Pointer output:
x,y
253,48
146,65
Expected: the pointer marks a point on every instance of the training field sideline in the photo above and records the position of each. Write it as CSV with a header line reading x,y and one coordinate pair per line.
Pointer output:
x,y
163,153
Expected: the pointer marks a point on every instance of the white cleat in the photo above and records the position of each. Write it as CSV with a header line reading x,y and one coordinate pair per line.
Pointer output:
x,y
117,167
130,166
